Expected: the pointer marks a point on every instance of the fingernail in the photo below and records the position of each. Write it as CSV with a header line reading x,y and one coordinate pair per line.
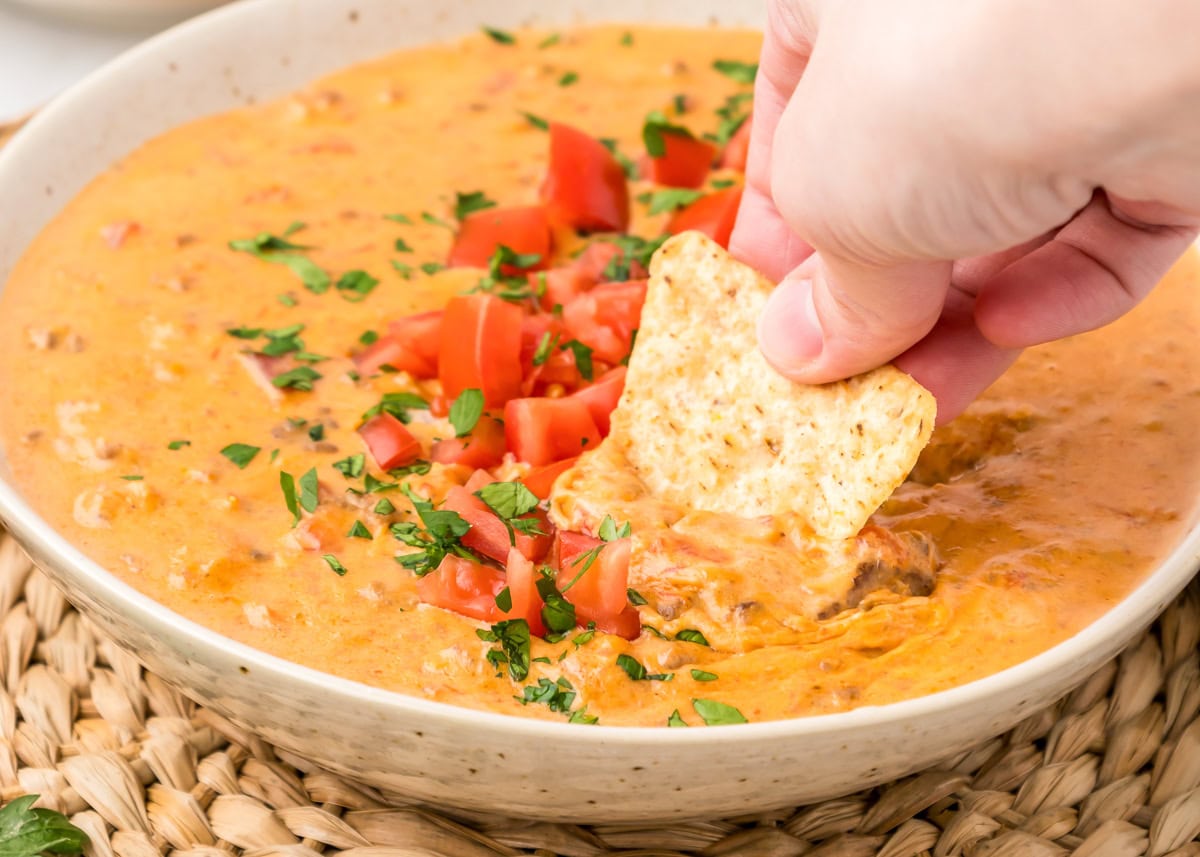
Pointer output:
x,y
789,332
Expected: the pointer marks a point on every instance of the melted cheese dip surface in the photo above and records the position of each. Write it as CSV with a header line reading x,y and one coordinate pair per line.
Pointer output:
x,y
1048,502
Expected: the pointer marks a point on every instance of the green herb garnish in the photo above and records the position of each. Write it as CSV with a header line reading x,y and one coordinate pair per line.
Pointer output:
x,y
715,713
354,286
178,444
514,640
500,37
468,203
741,72
655,128
300,378
634,669
351,467
466,411
557,612
668,199
359,531
335,564
440,535
278,250
583,357
568,78
675,720
384,507
635,597
691,635
536,121
398,405
241,454
703,675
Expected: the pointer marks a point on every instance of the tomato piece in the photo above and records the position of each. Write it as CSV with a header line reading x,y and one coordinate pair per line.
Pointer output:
x,y
481,348
390,443
605,318
540,480
483,446
488,535
522,229
420,333
585,186
393,352
599,593
521,578
541,431
713,215
559,285
464,586
595,258
685,161
478,479
601,397
737,150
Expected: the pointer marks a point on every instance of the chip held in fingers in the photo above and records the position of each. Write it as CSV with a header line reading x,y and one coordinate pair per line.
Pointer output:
x,y
705,421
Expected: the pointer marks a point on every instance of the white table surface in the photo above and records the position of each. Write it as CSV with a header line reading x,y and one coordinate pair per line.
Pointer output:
x,y
41,54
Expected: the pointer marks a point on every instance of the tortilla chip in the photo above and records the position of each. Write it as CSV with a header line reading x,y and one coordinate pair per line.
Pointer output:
x,y
707,423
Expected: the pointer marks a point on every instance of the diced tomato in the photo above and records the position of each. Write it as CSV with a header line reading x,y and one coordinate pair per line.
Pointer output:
x,y
600,594
534,329
421,333
540,480
481,348
605,318
585,186
483,446
521,577
478,479
522,229
713,215
560,285
685,161
738,148
541,431
393,352
390,443
464,586
569,545
489,536
602,396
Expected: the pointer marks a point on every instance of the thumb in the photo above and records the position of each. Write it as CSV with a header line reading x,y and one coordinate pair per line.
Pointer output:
x,y
832,318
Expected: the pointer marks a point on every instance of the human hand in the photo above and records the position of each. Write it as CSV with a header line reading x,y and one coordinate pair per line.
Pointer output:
x,y
975,178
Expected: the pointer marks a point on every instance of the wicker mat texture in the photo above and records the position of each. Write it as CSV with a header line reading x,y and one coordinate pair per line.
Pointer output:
x,y
1111,770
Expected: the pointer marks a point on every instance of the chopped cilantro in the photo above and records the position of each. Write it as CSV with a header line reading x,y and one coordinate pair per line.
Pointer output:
x,y
399,218
316,432
536,121
309,490
468,203
556,695
634,669
584,637
511,501
405,271
417,468
368,337
335,564
384,507
372,485
703,675
580,715
668,199
359,531
550,40
679,104
286,299
432,267
715,713
398,405
300,378
354,286
654,128
568,78
610,532
583,357
466,411
542,353
442,531
627,38
278,250
509,287
514,640
241,454
287,483
741,72
245,332
691,635
675,720
178,444
500,37
401,246
721,184
351,467
652,630
557,612
733,114
635,597
504,599
633,249
133,477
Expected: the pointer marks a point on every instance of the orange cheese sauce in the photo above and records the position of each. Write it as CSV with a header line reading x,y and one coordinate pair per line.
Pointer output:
x,y
1048,502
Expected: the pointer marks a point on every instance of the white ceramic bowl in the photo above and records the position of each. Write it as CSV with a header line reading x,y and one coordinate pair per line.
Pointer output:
x,y
429,750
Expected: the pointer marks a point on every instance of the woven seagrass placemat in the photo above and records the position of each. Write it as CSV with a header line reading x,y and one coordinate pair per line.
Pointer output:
x,y
1113,769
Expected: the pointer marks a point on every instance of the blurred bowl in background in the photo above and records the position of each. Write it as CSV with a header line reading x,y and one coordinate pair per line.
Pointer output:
x,y
119,13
